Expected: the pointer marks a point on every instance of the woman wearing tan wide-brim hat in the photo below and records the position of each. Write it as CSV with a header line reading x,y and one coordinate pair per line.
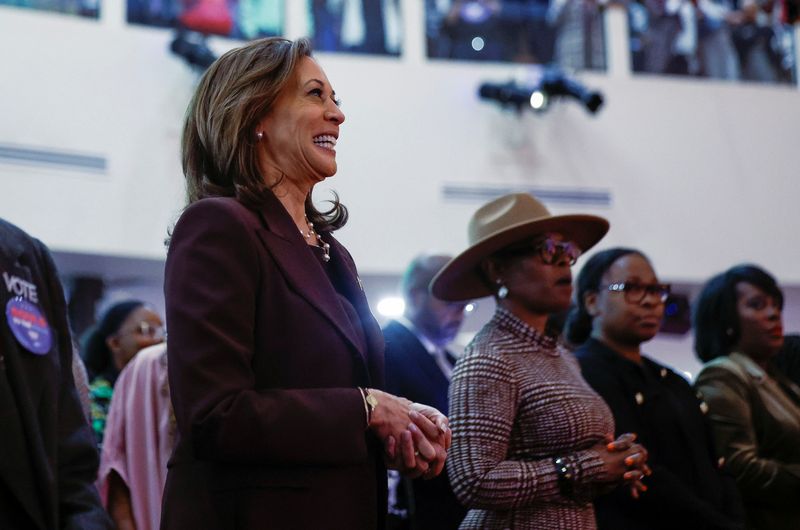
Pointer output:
x,y
530,437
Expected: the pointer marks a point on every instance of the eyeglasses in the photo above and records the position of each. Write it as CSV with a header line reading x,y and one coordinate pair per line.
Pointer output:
x,y
548,249
635,292
149,330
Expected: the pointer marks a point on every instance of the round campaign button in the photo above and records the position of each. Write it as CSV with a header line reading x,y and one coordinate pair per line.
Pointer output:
x,y
28,325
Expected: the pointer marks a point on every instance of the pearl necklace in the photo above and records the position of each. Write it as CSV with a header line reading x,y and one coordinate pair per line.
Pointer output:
x,y
312,235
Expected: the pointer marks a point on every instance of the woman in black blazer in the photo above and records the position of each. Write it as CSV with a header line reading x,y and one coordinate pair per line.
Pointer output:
x,y
619,306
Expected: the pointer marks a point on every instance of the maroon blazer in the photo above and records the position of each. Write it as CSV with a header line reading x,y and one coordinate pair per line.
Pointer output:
x,y
263,367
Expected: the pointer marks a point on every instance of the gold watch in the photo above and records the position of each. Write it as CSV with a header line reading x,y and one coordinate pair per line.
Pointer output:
x,y
372,403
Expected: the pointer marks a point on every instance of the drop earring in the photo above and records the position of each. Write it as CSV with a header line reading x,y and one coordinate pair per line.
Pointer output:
x,y
502,290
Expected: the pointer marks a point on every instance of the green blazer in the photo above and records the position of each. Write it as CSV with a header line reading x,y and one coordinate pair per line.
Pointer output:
x,y
756,421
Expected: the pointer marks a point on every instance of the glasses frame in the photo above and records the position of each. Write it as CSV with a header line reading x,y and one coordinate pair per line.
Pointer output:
x,y
548,249
663,290
146,329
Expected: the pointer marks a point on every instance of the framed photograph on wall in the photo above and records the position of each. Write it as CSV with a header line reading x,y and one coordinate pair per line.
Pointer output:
x,y
566,33
355,26
238,19
81,8
728,40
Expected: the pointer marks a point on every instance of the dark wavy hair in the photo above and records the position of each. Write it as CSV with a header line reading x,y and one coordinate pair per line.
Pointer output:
x,y
219,150
715,317
578,326
95,352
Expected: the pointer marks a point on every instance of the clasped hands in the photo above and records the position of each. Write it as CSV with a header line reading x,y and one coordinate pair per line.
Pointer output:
x,y
416,437
626,461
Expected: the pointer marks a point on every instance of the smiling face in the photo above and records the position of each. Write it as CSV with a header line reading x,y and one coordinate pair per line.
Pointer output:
x,y
302,128
615,320
760,322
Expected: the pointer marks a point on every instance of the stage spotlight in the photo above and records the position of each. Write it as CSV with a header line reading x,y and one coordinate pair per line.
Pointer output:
x,y
553,84
192,47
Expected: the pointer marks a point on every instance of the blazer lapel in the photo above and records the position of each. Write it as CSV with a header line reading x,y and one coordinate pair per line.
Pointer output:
x,y
302,270
424,361
354,292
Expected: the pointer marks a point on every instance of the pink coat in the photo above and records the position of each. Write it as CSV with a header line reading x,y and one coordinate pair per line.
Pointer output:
x,y
140,435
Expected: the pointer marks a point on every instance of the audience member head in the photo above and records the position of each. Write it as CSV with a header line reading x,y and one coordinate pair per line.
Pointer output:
x,y
438,320
521,254
263,114
618,300
122,330
739,310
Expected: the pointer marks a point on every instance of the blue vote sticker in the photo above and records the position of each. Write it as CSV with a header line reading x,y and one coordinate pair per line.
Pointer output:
x,y
29,326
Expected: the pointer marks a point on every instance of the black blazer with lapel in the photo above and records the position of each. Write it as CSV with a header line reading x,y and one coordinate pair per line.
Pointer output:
x,y
48,461
413,373
263,366
687,487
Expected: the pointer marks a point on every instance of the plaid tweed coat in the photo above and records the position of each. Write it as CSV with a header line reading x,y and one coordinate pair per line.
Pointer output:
x,y
517,399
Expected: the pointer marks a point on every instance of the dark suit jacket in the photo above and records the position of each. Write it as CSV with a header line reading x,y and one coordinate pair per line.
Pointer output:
x,y
412,372
687,487
263,366
48,461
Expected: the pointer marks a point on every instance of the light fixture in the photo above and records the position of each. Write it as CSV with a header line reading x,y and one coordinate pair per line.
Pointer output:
x,y
553,84
192,47
391,306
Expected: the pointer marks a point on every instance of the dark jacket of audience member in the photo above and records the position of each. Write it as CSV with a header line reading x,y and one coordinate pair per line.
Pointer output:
x,y
412,371
754,409
686,487
47,457
787,361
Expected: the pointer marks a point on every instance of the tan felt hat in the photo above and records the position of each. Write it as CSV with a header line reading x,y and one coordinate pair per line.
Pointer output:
x,y
499,224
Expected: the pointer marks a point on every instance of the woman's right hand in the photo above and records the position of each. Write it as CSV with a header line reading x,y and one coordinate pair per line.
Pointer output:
x,y
624,461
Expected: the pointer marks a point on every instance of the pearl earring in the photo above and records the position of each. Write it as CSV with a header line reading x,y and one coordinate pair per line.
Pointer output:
x,y
502,290
260,135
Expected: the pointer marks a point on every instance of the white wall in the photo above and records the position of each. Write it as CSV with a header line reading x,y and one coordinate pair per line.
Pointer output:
x,y
701,174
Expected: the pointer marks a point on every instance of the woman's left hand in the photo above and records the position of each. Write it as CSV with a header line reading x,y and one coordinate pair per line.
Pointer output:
x,y
636,463
412,454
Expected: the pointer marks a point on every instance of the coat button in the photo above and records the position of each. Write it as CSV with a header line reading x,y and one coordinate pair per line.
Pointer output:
x,y
639,397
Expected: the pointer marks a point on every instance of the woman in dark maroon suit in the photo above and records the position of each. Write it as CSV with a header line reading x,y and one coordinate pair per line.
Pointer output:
x,y
274,357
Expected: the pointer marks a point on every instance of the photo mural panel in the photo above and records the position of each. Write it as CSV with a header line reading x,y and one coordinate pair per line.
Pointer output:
x,y
81,8
733,40
356,26
566,33
238,19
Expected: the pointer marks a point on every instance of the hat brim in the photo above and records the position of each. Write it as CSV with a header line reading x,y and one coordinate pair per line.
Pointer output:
x,y
461,279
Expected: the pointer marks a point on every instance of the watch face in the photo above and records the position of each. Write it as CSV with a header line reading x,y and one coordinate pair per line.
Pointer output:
x,y
372,401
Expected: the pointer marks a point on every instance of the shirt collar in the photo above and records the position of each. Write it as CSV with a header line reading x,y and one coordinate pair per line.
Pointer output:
x,y
507,320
